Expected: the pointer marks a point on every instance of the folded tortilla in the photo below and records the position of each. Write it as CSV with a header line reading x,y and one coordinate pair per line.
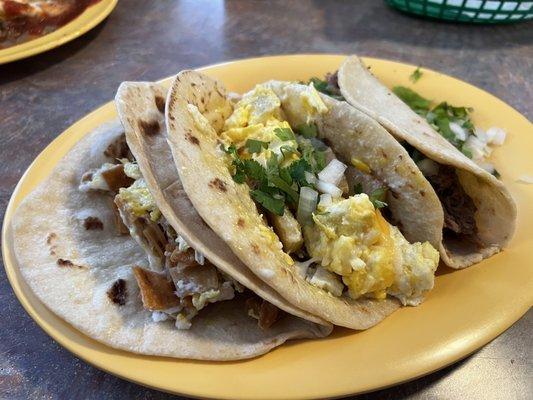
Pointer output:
x,y
229,210
73,259
466,191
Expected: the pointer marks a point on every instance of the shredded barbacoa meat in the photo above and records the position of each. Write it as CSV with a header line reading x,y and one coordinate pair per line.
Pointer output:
x,y
265,313
459,209
119,149
333,83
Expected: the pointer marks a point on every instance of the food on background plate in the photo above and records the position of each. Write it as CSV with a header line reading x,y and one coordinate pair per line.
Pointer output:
x,y
282,182
24,20
103,248
479,213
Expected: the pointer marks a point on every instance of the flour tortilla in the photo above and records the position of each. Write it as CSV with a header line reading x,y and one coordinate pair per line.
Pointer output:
x,y
71,269
228,209
496,211
137,104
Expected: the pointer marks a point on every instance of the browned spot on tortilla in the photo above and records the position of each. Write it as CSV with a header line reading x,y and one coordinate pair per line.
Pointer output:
x,y
400,157
256,249
218,184
63,262
172,117
149,128
240,223
160,103
202,99
51,236
193,84
117,292
422,193
191,138
383,153
93,223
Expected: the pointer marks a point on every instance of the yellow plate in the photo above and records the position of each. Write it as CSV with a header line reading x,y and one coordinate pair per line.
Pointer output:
x,y
466,309
87,20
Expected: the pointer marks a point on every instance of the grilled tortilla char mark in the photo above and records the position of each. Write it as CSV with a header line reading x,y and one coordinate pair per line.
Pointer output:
x,y
93,223
157,292
117,293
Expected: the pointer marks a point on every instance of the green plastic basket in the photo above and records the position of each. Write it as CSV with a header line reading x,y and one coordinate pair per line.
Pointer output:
x,y
477,11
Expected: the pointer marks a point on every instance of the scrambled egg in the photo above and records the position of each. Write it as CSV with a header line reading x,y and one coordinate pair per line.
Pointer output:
x,y
140,200
258,115
351,239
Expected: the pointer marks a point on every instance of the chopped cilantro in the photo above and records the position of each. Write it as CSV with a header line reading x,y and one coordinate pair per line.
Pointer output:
x,y
284,134
284,186
253,170
285,174
288,150
416,75
255,146
307,130
327,88
239,176
358,188
297,171
270,203
466,151
440,117
377,197
419,104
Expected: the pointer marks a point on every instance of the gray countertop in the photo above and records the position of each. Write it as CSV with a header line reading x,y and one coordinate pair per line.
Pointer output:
x,y
146,40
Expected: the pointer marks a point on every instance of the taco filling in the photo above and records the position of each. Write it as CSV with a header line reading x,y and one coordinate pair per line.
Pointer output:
x,y
455,125
332,232
180,281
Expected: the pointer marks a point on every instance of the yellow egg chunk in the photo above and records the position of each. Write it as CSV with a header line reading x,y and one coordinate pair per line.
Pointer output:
x,y
257,116
350,238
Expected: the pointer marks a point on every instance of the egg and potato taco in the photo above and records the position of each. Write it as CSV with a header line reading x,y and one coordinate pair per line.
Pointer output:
x,y
111,244
479,213
312,195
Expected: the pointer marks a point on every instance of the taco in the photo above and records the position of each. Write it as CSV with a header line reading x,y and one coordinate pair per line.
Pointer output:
x,y
255,180
479,213
77,237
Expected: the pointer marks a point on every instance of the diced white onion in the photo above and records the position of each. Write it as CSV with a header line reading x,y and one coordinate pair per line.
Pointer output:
x,y
333,172
481,135
326,187
182,244
428,167
496,135
158,316
306,204
199,257
310,177
325,200
459,131
477,147
526,179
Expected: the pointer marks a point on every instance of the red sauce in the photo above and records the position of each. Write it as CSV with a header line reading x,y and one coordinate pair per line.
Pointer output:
x,y
19,25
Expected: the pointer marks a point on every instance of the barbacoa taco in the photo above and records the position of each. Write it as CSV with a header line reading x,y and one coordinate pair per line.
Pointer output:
x,y
479,213
280,180
77,237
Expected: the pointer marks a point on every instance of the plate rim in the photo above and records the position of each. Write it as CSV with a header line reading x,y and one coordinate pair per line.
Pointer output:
x,y
58,37
457,355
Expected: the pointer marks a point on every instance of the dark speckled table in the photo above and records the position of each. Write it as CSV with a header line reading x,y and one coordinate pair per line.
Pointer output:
x,y
147,40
